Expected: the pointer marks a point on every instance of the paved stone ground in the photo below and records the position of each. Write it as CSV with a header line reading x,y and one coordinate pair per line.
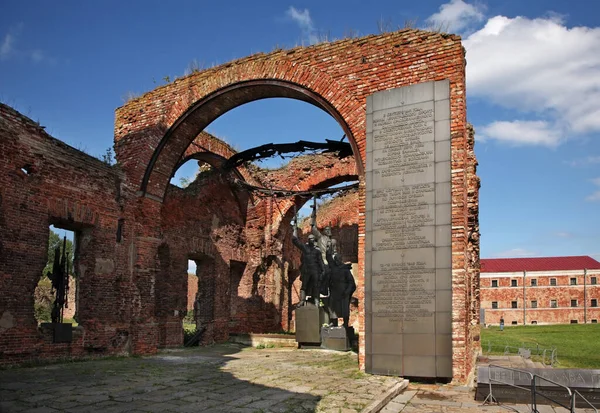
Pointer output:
x,y
435,398
223,378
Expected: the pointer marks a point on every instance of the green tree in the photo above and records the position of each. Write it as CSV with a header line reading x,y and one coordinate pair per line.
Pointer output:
x,y
44,295
54,241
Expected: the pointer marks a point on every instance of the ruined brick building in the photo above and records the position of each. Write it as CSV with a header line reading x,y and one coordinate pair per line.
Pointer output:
x,y
135,232
548,290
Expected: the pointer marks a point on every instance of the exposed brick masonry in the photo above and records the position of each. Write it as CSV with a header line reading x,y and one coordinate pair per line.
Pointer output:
x,y
133,291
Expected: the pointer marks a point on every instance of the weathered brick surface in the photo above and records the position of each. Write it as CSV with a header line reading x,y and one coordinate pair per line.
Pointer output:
x,y
543,293
44,182
133,292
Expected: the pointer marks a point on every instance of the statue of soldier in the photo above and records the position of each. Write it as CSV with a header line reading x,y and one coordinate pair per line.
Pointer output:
x,y
324,240
341,287
325,243
311,268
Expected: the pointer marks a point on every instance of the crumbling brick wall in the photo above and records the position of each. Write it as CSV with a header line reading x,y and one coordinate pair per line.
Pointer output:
x,y
45,182
336,76
121,308
473,248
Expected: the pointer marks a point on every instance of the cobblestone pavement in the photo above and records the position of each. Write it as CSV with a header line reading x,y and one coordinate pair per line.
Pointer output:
x,y
223,378
429,398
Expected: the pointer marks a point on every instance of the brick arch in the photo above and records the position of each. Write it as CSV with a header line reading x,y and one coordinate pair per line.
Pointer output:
x,y
236,86
308,173
213,151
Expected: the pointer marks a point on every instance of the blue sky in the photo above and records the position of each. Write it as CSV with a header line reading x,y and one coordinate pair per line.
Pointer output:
x,y
533,87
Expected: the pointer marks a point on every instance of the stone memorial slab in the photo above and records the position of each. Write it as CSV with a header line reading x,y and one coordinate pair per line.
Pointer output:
x,y
408,256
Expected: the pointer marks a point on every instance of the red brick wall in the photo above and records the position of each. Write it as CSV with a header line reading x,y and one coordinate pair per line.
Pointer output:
x,y
341,74
133,293
69,189
504,295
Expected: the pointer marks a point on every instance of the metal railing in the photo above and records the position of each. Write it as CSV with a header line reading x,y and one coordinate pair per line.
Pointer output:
x,y
533,389
536,392
575,394
490,397
548,355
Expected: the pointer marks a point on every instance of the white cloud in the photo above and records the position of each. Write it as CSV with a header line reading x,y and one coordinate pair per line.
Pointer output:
x,y
191,267
37,56
563,234
521,133
540,67
304,21
515,253
588,160
7,46
8,49
596,195
456,16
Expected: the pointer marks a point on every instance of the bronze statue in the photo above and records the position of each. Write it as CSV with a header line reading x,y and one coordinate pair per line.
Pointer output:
x,y
325,242
341,287
311,267
60,282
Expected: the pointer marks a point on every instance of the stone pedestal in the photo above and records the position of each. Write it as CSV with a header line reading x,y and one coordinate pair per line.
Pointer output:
x,y
61,332
309,320
336,338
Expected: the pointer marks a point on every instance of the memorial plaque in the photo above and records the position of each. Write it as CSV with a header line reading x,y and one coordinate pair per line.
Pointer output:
x,y
408,257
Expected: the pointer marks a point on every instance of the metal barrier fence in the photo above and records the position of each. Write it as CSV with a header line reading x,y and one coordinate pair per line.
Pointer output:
x,y
534,390
548,356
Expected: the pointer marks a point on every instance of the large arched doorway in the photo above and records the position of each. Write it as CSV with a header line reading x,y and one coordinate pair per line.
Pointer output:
x,y
192,122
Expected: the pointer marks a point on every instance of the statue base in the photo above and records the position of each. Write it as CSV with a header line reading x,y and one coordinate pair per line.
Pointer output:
x,y
61,332
336,338
309,319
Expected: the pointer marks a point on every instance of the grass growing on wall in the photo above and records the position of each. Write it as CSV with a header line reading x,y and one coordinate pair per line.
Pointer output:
x,y
578,345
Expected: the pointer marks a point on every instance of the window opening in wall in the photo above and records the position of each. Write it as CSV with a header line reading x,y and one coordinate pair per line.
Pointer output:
x,y
189,322
574,322
494,304
45,297
514,304
534,322
514,323
573,303
553,304
573,281
553,281
594,302
594,321
513,283
494,283
533,304
191,171
534,282
593,280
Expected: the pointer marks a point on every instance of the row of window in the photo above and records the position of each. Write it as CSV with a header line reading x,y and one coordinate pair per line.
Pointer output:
x,y
553,303
534,282
514,322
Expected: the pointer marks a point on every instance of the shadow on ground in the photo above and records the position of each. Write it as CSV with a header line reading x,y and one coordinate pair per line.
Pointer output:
x,y
195,380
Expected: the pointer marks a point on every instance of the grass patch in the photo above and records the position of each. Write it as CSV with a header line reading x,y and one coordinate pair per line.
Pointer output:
x,y
576,344
343,363
265,345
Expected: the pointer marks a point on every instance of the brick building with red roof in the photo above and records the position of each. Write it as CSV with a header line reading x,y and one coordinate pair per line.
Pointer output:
x,y
541,290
